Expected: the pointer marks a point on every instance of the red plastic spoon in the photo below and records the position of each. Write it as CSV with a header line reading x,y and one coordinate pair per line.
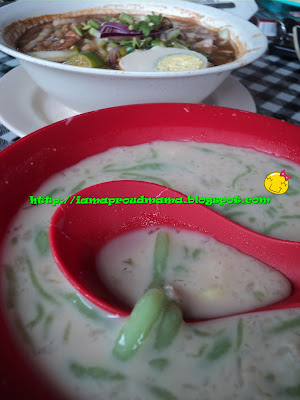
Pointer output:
x,y
78,231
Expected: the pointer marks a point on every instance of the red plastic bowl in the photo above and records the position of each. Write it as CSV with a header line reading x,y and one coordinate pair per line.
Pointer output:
x,y
27,163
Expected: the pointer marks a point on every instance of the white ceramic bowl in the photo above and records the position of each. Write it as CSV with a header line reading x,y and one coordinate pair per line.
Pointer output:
x,y
87,89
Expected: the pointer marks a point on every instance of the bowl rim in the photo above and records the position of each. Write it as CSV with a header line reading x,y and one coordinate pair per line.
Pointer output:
x,y
249,56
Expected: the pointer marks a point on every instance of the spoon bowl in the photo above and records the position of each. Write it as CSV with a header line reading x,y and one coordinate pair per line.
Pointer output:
x,y
78,231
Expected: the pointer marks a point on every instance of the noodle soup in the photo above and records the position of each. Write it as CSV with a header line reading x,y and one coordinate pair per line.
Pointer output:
x,y
101,41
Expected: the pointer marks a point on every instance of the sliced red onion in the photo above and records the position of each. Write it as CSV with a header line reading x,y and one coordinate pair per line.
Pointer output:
x,y
117,38
112,29
113,58
120,35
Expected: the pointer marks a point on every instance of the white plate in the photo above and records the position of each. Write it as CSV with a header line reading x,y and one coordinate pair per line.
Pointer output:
x,y
24,107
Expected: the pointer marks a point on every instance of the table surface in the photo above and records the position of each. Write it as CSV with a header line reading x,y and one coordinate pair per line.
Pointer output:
x,y
273,81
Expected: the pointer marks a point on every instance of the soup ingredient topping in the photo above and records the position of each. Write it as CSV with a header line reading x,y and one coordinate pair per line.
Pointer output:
x,y
160,258
152,306
169,326
139,324
88,59
163,59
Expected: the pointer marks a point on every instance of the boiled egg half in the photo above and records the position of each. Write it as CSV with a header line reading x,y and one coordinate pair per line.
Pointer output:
x,y
163,59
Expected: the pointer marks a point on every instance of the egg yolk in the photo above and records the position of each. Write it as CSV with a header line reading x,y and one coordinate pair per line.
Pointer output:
x,y
179,62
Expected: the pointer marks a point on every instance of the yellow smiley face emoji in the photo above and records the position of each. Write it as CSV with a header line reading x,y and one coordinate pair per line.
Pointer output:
x,y
277,182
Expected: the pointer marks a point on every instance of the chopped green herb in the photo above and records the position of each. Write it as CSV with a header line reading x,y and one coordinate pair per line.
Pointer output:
x,y
270,377
155,19
78,187
153,153
42,242
161,393
148,178
196,253
108,166
126,19
82,307
287,167
287,325
293,391
292,192
158,42
179,268
160,257
186,252
295,216
219,349
22,330
159,363
85,27
12,286
271,211
94,32
238,177
66,333
270,228
259,295
234,214
78,30
55,191
240,333
47,324
191,253
294,178
93,24
36,284
98,373
202,333
39,316
144,27
252,219
200,352
230,206
141,167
